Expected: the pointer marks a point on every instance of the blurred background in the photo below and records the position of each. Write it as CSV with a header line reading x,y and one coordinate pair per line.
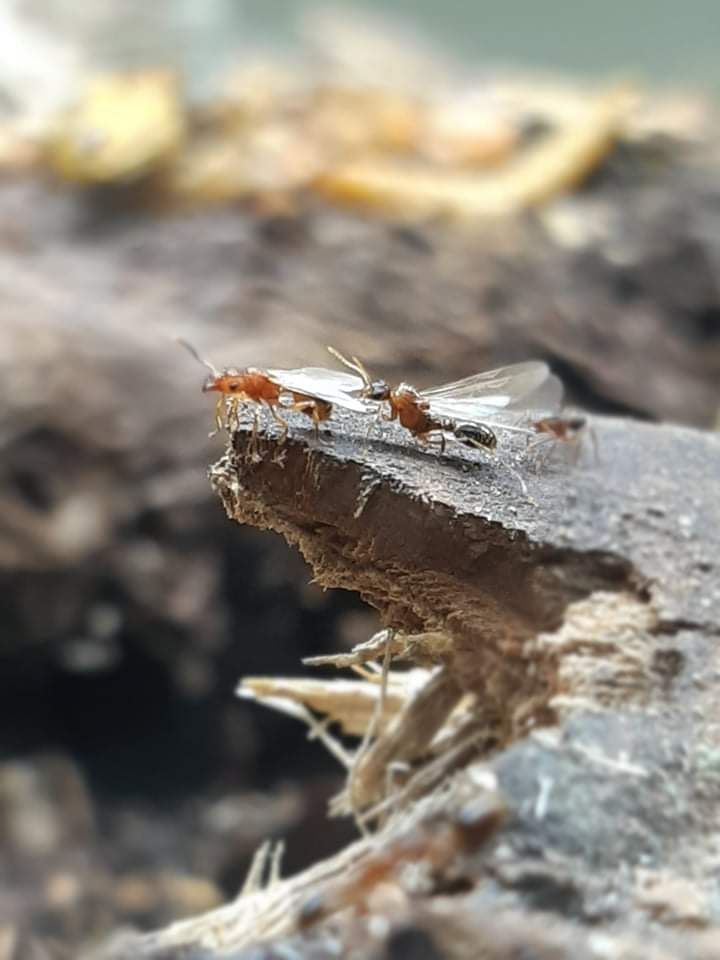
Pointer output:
x,y
436,188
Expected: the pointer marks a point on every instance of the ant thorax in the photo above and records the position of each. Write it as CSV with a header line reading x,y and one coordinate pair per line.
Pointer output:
x,y
406,392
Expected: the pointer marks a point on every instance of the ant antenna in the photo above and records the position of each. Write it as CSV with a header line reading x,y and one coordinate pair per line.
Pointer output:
x,y
353,364
193,353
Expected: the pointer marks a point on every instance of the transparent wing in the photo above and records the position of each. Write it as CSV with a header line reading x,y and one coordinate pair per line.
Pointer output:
x,y
311,377
503,388
333,386
505,411
547,399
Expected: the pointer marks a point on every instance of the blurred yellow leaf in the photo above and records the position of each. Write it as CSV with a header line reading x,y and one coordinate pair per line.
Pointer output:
x,y
125,126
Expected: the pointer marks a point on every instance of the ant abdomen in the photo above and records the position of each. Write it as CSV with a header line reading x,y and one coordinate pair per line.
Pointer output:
x,y
474,435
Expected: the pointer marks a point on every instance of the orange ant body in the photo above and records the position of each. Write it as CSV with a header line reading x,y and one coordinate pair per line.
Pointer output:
x,y
255,385
248,384
568,431
268,387
560,428
318,410
243,386
412,411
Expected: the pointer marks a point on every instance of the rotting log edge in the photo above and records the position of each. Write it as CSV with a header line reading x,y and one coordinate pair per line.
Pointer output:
x,y
606,792
451,544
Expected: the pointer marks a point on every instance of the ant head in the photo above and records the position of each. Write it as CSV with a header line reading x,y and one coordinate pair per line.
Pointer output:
x,y
377,390
212,382
228,381
218,381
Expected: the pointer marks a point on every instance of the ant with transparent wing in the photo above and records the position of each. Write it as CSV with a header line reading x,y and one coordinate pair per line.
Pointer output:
x,y
472,410
312,391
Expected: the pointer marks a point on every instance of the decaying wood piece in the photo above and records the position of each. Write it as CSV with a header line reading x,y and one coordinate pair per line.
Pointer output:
x,y
348,703
582,621
284,906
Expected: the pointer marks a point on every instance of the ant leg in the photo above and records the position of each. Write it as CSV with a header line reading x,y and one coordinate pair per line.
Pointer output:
x,y
380,418
594,443
433,438
234,418
521,482
284,425
219,411
544,447
316,422
253,449
310,409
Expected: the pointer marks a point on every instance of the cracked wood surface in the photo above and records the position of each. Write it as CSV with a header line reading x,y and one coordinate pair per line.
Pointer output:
x,y
454,544
583,614
644,517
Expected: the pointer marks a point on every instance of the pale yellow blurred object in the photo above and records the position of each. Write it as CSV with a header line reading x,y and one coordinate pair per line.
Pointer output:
x,y
258,91
468,131
124,126
348,703
534,176
361,119
269,159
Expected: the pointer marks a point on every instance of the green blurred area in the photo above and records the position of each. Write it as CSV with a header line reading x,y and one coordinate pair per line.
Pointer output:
x,y
661,40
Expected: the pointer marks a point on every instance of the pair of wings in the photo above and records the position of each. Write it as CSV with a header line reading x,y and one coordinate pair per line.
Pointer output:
x,y
506,396
333,386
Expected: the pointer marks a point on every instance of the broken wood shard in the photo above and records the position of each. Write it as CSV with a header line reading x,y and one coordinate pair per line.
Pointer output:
x,y
348,703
